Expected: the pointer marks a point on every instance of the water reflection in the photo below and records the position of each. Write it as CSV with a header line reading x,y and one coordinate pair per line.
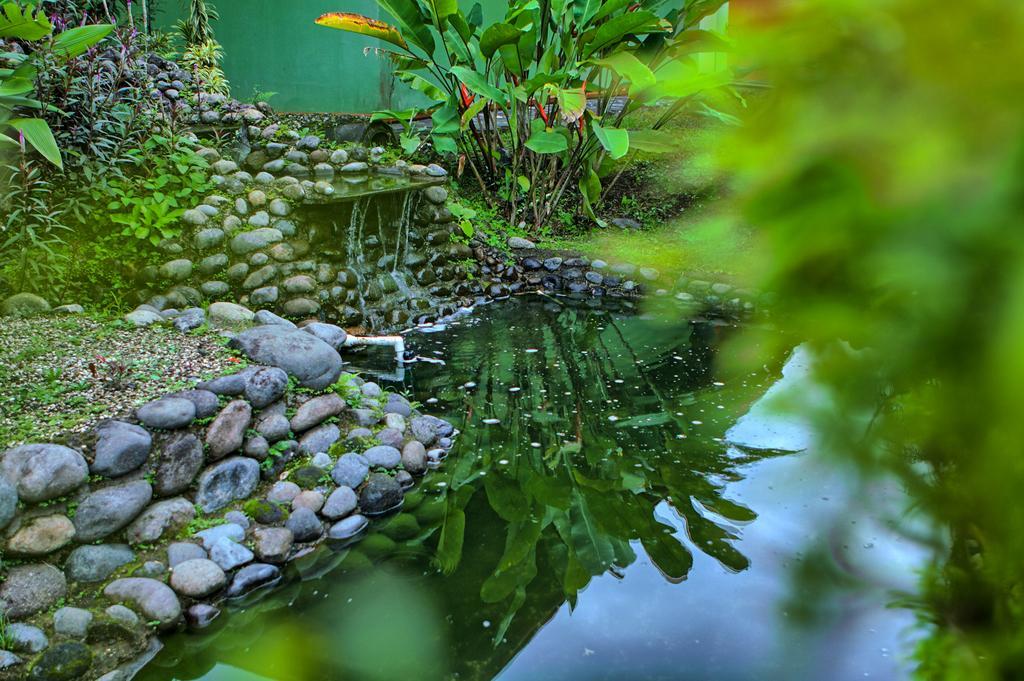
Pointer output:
x,y
591,442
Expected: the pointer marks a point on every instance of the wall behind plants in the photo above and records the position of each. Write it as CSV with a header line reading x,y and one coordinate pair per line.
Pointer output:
x,y
275,46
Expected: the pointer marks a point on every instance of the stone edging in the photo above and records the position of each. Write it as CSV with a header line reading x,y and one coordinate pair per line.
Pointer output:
x,y
200,498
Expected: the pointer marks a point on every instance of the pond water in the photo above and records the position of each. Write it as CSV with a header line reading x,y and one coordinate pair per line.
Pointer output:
x,y
591,523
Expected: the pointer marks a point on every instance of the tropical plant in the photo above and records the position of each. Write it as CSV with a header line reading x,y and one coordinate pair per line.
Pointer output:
x,y
203,60
511,98
17,83
195,28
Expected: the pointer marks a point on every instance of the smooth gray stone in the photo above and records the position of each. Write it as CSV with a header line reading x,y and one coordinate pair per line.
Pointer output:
x,y
40,472
314,363
178,465
305,525
229,554
110,509
252,577
120,448
29,589
154,599
167,413
350,470
341,503
96,563
229,480
180,551
348,528
72,622
384,456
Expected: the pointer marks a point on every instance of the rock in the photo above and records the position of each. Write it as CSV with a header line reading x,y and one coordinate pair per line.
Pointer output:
x,y
437,195
207,239
197,578
427,429
201,615
384,456
8,659
314,363
108,510
319,439
306,477
279,208
120,447
29,589
224,167
71,622
229,315
151,568
260,219
96,563
397,404
254,240
262,296
24,305
167,413
177,270
310,499
122,615
365,417
40,472
25,638
232,384
348,528
181,551
141,318
390,436
8,502
227,432
213,264
256,447
350,471
273,544
266,386
283,492
211,536
162,518
322,460
355,167
62,662
309,142
316,411
414,457
381,494
268,317
626,223
519,243
229,554
154,599
434,170
341,503
301,307
229,480
178,465
194,317
395,422
252,577
206,402
329,333
41,535
274,428
304,525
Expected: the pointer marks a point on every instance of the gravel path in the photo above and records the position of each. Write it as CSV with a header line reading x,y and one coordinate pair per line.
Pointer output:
x,y
60,374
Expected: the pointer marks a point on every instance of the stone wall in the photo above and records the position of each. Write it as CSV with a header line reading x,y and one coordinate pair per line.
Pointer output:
x,y
144,525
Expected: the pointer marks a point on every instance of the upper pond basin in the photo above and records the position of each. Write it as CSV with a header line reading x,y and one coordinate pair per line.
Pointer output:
x,y
590,523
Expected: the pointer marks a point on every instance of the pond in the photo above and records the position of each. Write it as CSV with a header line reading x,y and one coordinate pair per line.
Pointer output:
x,y
591,523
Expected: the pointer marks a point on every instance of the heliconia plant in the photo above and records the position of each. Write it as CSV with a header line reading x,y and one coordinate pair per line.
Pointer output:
x,y
18,83
511,98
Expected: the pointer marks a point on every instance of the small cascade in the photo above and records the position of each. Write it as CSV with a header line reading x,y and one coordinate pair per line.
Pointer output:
x,y
386,273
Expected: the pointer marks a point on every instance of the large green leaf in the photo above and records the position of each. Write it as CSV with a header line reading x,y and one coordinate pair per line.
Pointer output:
x,y
677,79
23,24
362,25
695,10
38,134
614,30
628,67
442,9
614,140
572,102
418,82
497,35
12,87
445,120
652,141
478,84
76,41
449,546
547,142
415,27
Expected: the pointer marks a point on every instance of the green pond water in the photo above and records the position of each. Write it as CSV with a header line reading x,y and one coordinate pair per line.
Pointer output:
x,y
590,523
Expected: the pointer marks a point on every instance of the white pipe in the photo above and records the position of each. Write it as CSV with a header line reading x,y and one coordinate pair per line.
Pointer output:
x,y
397,342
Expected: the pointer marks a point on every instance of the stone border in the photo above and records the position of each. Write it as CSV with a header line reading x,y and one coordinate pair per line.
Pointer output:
x,y
145,524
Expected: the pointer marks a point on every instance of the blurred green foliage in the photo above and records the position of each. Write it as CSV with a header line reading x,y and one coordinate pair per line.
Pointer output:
x,y
884,177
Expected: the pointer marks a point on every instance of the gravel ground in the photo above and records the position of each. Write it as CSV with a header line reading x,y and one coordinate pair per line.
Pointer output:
x,y
62,374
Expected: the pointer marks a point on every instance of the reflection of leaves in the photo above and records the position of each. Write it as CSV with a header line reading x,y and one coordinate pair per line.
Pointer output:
x,y
449,546
517,602
506,497
503,582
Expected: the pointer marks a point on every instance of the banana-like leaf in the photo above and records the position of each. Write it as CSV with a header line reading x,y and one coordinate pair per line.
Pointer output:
x,y
611,7
38,134
24,24
76,41
363,25
695,41
478,84
652,141
410,18
695,10
628,67
13,87
4,139
614,30
445,144
470,113
572,102
418,82
678,79
614,140
497,35
446,120
442,9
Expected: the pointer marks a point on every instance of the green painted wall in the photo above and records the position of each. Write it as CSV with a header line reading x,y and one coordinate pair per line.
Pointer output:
x,y
275,46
